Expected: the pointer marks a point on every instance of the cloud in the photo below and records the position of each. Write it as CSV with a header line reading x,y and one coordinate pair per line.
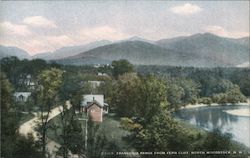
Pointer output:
x,y
9,28
220,31
60,41
47,43
38,44
186,9
102,32
39,21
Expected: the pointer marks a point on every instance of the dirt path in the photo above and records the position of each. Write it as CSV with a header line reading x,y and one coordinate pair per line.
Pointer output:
x,y
29,127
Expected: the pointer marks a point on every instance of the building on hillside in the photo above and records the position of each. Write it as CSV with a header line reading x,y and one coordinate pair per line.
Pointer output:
x,y
22,96
102,74
94,106
27,81
95,84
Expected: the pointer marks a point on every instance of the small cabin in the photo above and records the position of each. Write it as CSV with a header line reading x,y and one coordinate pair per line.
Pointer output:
x,y
22,96
95,84
94,106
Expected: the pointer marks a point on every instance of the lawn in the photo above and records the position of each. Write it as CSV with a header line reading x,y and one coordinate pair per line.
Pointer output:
x,y
114,133
24,117
110,127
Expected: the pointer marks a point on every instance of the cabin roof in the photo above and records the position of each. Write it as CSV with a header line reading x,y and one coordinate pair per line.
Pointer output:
x,y
94,103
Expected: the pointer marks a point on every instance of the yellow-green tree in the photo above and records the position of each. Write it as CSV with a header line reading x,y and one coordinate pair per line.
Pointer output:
x,y
49,83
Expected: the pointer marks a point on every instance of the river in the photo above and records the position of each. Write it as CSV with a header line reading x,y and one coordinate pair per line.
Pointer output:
x,y
216,117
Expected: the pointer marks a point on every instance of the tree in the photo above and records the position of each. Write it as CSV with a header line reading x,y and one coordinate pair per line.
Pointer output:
x,y
13,145
125,96
70,132
152,97
244,84
96,140
26,147
6,91
139,97
175,94
121,66
162,133
8,120
191,90
49,84
217,141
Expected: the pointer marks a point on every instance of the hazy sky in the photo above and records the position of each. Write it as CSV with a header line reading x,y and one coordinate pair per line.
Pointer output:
x,y
41,26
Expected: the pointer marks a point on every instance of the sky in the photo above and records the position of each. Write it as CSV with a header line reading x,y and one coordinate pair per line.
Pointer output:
x,y
44,26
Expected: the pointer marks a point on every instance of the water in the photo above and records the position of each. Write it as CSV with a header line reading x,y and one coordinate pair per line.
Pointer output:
x,y
210,118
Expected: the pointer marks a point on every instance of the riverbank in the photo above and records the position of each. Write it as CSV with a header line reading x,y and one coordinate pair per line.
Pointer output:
x,y
189,106
238,112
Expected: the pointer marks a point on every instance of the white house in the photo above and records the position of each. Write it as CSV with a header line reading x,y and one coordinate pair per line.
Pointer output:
x,y
22,96
28,81
95,84
102,74
97,98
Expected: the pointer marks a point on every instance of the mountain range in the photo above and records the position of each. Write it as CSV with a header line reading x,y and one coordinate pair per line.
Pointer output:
x,y
13,51
71,50
199,50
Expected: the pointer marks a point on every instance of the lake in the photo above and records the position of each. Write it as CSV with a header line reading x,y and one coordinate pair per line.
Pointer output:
x,y
210,118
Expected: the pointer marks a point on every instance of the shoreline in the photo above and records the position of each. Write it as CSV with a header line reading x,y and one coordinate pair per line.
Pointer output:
x,y
236,112
190,106
239,112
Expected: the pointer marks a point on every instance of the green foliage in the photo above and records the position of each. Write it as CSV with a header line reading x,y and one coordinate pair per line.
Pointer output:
x,y
216,141
175,94
50,80
138,97
205,100
125,96
12,144
49,84
191,90
71,133
162,134
181,92
208,78
235,96
232,96
16,70
96,140
5,93
121,66
152,97
26,148
107,88
130,125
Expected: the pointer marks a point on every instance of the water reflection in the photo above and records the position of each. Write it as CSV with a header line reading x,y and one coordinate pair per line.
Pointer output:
x,y
210,118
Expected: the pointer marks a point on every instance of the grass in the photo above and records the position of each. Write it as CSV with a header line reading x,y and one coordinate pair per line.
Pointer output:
x,y
24,117
114,133
110,127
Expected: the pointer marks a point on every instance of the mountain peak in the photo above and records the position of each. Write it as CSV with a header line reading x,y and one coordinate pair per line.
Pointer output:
x,y
206,34
137,38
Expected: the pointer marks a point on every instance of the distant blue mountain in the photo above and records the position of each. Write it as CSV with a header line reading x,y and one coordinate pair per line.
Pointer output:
x,y
13,51
199,50
70,51
223,51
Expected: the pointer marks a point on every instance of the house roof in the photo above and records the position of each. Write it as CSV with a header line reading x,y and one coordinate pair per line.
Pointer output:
x,y
106,104
92,97
25,94
92,103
